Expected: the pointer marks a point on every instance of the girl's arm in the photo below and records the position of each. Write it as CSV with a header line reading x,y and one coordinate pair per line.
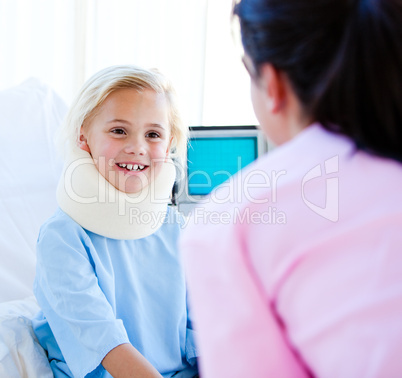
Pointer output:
x,y
83,321
125,361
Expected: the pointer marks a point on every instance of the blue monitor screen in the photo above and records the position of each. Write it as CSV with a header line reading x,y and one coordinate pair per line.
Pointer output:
x,y
211,161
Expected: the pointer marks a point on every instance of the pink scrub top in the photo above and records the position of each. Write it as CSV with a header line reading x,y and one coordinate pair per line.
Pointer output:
x,y
295,265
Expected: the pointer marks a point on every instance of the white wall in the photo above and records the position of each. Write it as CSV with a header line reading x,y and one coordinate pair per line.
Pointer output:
x,y
226,87
64,42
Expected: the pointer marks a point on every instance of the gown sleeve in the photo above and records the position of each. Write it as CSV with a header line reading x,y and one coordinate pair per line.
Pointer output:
x,y
81,319
191,349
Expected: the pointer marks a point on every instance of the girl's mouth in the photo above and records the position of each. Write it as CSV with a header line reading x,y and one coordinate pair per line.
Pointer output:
x,y
132,167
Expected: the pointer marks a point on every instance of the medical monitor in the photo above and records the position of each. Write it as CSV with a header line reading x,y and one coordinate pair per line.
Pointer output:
x,y
215,153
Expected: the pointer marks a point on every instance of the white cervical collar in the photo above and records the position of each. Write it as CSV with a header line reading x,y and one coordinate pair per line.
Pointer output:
x,y
88,198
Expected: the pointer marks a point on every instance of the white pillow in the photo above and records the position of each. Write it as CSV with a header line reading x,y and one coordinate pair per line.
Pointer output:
x,y
29,170
20,352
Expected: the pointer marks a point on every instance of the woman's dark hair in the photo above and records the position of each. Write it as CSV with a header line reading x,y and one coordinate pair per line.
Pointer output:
x,y
343,59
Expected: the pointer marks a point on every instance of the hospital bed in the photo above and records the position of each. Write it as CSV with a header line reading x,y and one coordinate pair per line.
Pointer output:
x,y
30,166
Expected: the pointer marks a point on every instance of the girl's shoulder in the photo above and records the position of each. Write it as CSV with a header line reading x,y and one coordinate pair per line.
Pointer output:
x,y
174,217
62,225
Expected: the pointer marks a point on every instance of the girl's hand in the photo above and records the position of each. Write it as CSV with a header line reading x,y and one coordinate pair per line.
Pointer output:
x,y
125,361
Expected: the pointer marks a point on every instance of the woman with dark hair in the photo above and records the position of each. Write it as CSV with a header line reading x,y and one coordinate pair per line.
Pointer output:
x,y
303,275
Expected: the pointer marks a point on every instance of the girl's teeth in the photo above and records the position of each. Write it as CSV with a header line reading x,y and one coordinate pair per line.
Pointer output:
x,y
132,167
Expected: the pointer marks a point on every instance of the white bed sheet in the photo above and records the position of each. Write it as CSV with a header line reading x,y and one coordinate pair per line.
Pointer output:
x,y
30,114
20,353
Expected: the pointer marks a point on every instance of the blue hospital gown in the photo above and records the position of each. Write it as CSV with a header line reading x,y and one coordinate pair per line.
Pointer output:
x,y
97,293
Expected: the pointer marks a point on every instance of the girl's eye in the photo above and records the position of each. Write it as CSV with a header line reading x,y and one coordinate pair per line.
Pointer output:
x,y
153,134
118,131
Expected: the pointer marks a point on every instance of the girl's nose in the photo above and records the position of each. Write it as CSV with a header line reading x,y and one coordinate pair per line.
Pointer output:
x,y
135,146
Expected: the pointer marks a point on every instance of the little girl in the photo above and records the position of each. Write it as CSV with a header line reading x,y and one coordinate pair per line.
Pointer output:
x,y
109,279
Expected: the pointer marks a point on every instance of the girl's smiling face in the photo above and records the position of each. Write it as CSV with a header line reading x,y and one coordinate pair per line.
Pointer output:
x,y
129,138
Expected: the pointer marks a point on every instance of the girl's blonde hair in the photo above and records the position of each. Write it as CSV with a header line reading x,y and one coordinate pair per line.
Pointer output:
x,y
102,84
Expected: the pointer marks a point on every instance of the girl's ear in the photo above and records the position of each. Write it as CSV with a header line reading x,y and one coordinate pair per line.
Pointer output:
x,y
168,147
274,86
82,142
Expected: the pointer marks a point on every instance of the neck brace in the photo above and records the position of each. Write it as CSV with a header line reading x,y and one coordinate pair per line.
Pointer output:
x,y
96,205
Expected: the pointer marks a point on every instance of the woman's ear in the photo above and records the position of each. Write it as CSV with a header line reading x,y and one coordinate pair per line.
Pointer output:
x,y
274,85
82,142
